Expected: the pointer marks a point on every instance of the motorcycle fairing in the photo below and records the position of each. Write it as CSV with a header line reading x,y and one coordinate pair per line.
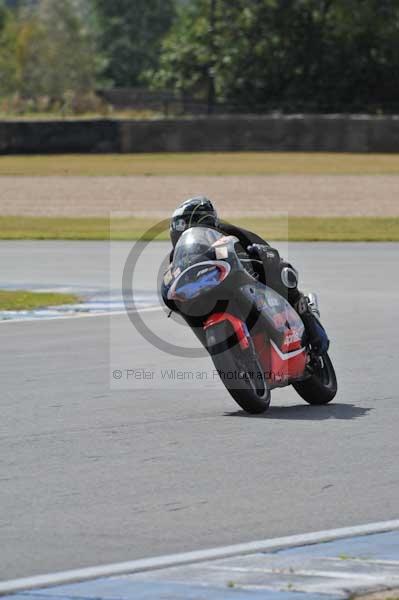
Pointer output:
x,y
283,323
197,279
239,326
279,341
254,310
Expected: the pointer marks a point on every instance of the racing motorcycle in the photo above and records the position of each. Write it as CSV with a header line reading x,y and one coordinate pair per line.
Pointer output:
x,y
256,340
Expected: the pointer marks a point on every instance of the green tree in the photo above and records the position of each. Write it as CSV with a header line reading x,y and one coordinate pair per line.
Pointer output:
x,y
57,52
130,35
46,50
191,52
8,52
11,3
293,54
3,15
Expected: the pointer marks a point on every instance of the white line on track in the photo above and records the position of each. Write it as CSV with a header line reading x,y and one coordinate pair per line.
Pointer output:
x,y
77,316
176,560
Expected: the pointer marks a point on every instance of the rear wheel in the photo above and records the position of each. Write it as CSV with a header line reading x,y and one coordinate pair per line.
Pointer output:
x,y
321,386
238,369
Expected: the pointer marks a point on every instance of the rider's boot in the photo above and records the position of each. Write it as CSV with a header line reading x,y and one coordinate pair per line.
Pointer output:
x,y
307,308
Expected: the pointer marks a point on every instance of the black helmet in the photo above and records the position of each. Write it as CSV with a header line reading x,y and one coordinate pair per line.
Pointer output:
x,y
195,211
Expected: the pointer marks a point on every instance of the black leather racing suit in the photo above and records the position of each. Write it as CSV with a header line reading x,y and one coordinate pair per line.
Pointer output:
x,y
267,267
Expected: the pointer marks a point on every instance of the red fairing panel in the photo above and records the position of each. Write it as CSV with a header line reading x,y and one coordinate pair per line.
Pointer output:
x,y
279,366
239,327
286,366
288,359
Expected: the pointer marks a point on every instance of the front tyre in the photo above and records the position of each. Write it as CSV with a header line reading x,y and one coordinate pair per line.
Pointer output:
x,y
238,369
321,386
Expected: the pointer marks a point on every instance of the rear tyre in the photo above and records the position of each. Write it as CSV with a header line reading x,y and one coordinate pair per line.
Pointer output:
x,y
321,387
238,369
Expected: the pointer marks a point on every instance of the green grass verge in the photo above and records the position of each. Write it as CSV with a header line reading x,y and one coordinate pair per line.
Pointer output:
x,y
275,228
132,114
202,163
23,300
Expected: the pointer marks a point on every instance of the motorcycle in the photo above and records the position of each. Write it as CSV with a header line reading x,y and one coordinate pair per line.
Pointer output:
x,y
256,340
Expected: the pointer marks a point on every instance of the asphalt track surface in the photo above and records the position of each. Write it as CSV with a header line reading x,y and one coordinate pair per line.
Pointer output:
x,y
95,471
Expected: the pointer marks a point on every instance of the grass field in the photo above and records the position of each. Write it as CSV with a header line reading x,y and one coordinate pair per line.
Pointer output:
x,y
275,228
24,300
235,163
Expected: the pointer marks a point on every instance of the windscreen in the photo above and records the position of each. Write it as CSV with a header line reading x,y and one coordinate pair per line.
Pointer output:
x,y
195,245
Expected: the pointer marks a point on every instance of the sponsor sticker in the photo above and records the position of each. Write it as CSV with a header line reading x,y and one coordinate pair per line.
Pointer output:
x,y
272,301
221,252
167,278
176,272
292,338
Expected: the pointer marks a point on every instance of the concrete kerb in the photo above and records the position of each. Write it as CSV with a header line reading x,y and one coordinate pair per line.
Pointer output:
x,y
188,558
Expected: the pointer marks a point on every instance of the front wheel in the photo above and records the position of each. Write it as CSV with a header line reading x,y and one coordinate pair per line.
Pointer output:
x,y
321,386
238,369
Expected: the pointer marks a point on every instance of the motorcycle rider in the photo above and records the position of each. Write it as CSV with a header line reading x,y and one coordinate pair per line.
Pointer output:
x,y
258,257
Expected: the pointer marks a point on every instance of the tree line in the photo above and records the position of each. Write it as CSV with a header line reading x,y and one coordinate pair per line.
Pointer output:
x,y
246,55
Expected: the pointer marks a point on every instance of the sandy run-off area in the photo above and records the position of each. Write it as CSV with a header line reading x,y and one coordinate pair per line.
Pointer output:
x,y
295,195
